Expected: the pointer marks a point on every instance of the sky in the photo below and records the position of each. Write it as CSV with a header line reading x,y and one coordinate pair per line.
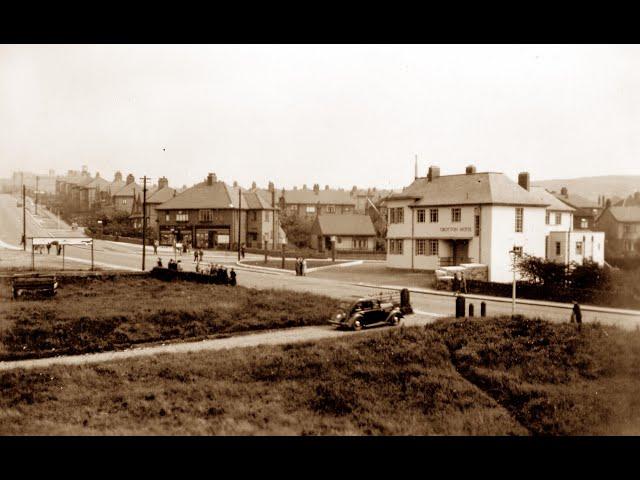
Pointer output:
x,y
337,115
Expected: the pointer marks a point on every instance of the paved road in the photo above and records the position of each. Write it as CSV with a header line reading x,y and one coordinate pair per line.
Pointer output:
x,y
128,256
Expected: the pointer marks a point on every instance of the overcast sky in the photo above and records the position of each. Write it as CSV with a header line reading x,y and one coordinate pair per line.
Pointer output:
x,y
337,115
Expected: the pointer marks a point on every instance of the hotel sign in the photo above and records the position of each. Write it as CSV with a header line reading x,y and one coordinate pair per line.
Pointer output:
x,y
455,229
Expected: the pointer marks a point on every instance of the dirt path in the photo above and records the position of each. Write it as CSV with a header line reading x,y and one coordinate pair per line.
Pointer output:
x,y
269,337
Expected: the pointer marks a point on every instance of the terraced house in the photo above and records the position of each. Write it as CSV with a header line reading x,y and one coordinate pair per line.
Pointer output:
x,y
467,219
306,202
213,214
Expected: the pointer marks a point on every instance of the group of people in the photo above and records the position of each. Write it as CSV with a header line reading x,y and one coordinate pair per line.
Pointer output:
x,y
40,249
221,274
172,265
459,283
301,266
197,254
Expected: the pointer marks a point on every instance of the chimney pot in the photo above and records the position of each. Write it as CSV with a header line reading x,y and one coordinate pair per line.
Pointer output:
x,y
564,191
523,180
470,169
254,185
163,182
326,187
235,183
304,187
130,179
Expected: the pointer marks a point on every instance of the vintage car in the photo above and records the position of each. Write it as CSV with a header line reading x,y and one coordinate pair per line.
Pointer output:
x,y
369,312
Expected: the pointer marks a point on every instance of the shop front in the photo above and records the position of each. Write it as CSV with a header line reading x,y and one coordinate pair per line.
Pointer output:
x,y
169,235
213,237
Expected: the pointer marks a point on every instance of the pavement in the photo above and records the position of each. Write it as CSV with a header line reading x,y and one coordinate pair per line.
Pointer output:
x,y
427,303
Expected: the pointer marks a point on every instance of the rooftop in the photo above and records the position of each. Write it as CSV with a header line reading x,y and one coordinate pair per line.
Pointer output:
x,y
554,203
625,214
309,196
345,224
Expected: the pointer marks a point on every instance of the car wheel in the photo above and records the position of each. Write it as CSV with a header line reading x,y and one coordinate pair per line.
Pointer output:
x,y
357,325
394,320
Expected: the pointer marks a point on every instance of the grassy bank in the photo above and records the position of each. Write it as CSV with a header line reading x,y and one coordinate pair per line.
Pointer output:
x,y
89,315
489,377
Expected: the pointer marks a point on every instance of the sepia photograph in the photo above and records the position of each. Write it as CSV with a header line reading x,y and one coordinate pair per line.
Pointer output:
x,y
326,240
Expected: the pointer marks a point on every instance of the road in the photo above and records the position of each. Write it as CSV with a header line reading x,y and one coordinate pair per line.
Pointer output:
x,y
128,257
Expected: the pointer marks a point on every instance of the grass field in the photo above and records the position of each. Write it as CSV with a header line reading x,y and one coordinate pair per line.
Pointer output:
x,y
140,310
474,377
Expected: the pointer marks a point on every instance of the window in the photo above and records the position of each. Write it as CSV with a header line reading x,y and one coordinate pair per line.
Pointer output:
x,y
584,223
421,246
421,215
433,215
267,216
547,218
395,246
346,209
205,216
558,248
253,215
433,247
519,219
310,209
331,209
517,251
167,217
396,215
182,216
359,243
558,218
476,230
578,248
339,239
124,201
456,214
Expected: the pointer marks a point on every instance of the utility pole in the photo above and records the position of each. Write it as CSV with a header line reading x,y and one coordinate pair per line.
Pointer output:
x,y
37,179
513,288
239,217
24,218
144,220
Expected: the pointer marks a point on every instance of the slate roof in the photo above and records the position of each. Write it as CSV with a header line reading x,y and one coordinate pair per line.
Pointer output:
x,y
554,203
117,185
331,197
577,201
344,224
258,200
100,183
218,195
469,189
625,214
161,196
132,190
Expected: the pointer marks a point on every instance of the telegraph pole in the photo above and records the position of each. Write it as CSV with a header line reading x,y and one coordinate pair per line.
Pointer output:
x,y
24,218
144,220
239,217
37,178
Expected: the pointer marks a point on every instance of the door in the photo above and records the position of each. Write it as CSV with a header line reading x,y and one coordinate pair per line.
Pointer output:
x,y
211,239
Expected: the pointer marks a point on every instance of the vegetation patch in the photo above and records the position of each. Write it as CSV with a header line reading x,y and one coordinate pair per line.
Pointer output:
x,y
95,314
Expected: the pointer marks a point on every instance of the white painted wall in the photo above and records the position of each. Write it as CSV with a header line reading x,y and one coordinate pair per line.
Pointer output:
x,y
592,248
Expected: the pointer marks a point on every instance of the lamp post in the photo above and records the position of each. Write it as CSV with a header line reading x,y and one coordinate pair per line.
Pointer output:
x,y
513,288
284,244
333,248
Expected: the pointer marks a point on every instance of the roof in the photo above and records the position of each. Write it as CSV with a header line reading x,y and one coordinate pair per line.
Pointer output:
x,y
625,214
117,185
577,201
129,190
554,203
100,183
162,195
345,224
257,200
331,196
217,195
469,189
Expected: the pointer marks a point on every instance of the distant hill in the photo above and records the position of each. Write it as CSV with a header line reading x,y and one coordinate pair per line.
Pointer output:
x,y
590,187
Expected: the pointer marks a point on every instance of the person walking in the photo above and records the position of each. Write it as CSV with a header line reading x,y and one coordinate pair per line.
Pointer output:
x,y
195,254
576,315
455,284
200,254
242,250
155,246
232,281
48,248
159,262
304,267
298,266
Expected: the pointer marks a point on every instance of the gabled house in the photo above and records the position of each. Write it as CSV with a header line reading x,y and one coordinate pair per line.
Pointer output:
x,y
349,231
622,227
585,212
306,202
213,214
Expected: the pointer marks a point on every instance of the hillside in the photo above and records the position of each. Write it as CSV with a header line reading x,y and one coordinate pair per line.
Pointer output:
x,y
591,187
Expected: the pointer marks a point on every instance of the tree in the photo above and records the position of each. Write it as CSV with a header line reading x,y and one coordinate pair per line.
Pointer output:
x,y
541,271
589,275
298,230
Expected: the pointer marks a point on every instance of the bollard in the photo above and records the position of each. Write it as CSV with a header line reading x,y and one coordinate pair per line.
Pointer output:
x,y
405,301
471,309
483,309
460,304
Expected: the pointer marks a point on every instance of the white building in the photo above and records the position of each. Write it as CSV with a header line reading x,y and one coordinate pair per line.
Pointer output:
x,y
469,218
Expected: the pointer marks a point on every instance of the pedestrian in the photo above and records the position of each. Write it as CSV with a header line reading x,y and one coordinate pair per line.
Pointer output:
x,y
297,266
455,283
201,254
242,250
225,277
58,249
576,315
463,282
179,248
232,281
195,255
155,246
159,262
179,265
304,267
48,248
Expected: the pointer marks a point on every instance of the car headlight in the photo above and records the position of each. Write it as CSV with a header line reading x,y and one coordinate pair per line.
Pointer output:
x,y
339,316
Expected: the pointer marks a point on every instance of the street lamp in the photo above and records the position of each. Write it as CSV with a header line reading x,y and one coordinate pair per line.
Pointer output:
x,y
101,228
284,244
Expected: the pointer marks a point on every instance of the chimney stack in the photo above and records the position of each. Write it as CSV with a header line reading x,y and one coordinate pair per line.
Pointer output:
x,y
97,174
326,187
295,187
607,203
471,169
235,183
253,185
211,179
271,187
564,191
434,172
316,188
523,180
162,183
130,179
117,177
304,187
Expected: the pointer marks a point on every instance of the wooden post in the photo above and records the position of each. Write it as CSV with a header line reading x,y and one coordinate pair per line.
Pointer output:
x,y
92,255
283,247
33,256
266,245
